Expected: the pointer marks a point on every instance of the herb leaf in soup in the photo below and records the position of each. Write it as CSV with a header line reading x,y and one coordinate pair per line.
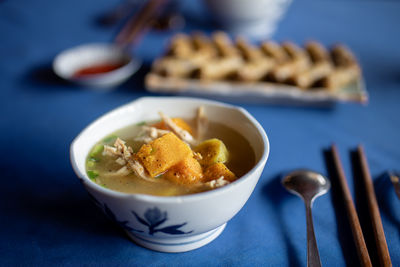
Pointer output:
x,y
92,174
142,123
96,150
110,138
90,164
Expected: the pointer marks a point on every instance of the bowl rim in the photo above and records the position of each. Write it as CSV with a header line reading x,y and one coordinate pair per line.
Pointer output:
x,y
130,67
182,198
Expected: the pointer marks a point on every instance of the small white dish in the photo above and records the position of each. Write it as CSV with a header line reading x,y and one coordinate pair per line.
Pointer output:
x,y
178,223
70,61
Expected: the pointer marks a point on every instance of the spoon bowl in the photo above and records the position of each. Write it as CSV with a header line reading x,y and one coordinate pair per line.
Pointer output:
x,y
308,185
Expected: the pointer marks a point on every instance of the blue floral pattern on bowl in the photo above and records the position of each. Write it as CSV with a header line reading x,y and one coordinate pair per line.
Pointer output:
x,y
152,219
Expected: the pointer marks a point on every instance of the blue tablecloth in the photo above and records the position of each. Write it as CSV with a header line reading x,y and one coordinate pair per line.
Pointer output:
x,y
46,217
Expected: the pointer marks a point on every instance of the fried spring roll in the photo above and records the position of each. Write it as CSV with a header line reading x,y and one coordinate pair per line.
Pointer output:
x,y
317,52
307,78
299,63
203,45
181,46
257,64
197,50
342,56
256,70
173,67
219,69
341,76
274,51
224,45
320,68
294,51
249,52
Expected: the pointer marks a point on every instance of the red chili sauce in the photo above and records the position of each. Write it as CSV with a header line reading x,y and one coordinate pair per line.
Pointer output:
x,y
97,69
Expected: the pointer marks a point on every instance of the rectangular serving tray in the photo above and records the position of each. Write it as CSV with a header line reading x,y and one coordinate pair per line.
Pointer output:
x,y
260,92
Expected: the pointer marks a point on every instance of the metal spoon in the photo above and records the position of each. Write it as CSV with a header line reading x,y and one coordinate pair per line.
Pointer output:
x,y
308,185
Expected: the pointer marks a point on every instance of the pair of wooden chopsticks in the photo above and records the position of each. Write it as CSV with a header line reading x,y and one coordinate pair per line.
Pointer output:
x,y
379,235
139,23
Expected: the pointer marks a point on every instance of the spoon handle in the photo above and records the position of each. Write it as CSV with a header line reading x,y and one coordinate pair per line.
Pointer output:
x,y
312,248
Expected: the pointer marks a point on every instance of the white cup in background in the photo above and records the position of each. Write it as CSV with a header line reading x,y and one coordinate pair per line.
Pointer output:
x,y
253,18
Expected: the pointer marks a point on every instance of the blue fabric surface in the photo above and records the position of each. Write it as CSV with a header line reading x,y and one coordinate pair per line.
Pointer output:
x,y
46,217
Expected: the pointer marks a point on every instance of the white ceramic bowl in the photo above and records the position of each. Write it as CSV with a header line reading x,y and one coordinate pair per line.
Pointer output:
x,y
68,62
179,223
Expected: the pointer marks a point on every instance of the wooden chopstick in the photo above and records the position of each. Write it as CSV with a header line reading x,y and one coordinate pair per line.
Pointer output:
x,y
358,236
139,22
379,234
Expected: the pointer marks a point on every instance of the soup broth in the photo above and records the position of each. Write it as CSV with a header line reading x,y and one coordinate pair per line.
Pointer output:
x,y
102,169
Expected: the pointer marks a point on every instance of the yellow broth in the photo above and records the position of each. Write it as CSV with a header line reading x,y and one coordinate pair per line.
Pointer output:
x,y
101,169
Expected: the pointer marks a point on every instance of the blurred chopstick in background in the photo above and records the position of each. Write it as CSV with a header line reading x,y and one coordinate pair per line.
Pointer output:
x,y
139,23
121,11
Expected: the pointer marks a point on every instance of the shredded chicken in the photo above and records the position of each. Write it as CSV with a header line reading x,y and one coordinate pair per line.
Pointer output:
x,y
125,157
148,134
123,171
197,155
217,182
110,151
120,161
201,123
181,133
